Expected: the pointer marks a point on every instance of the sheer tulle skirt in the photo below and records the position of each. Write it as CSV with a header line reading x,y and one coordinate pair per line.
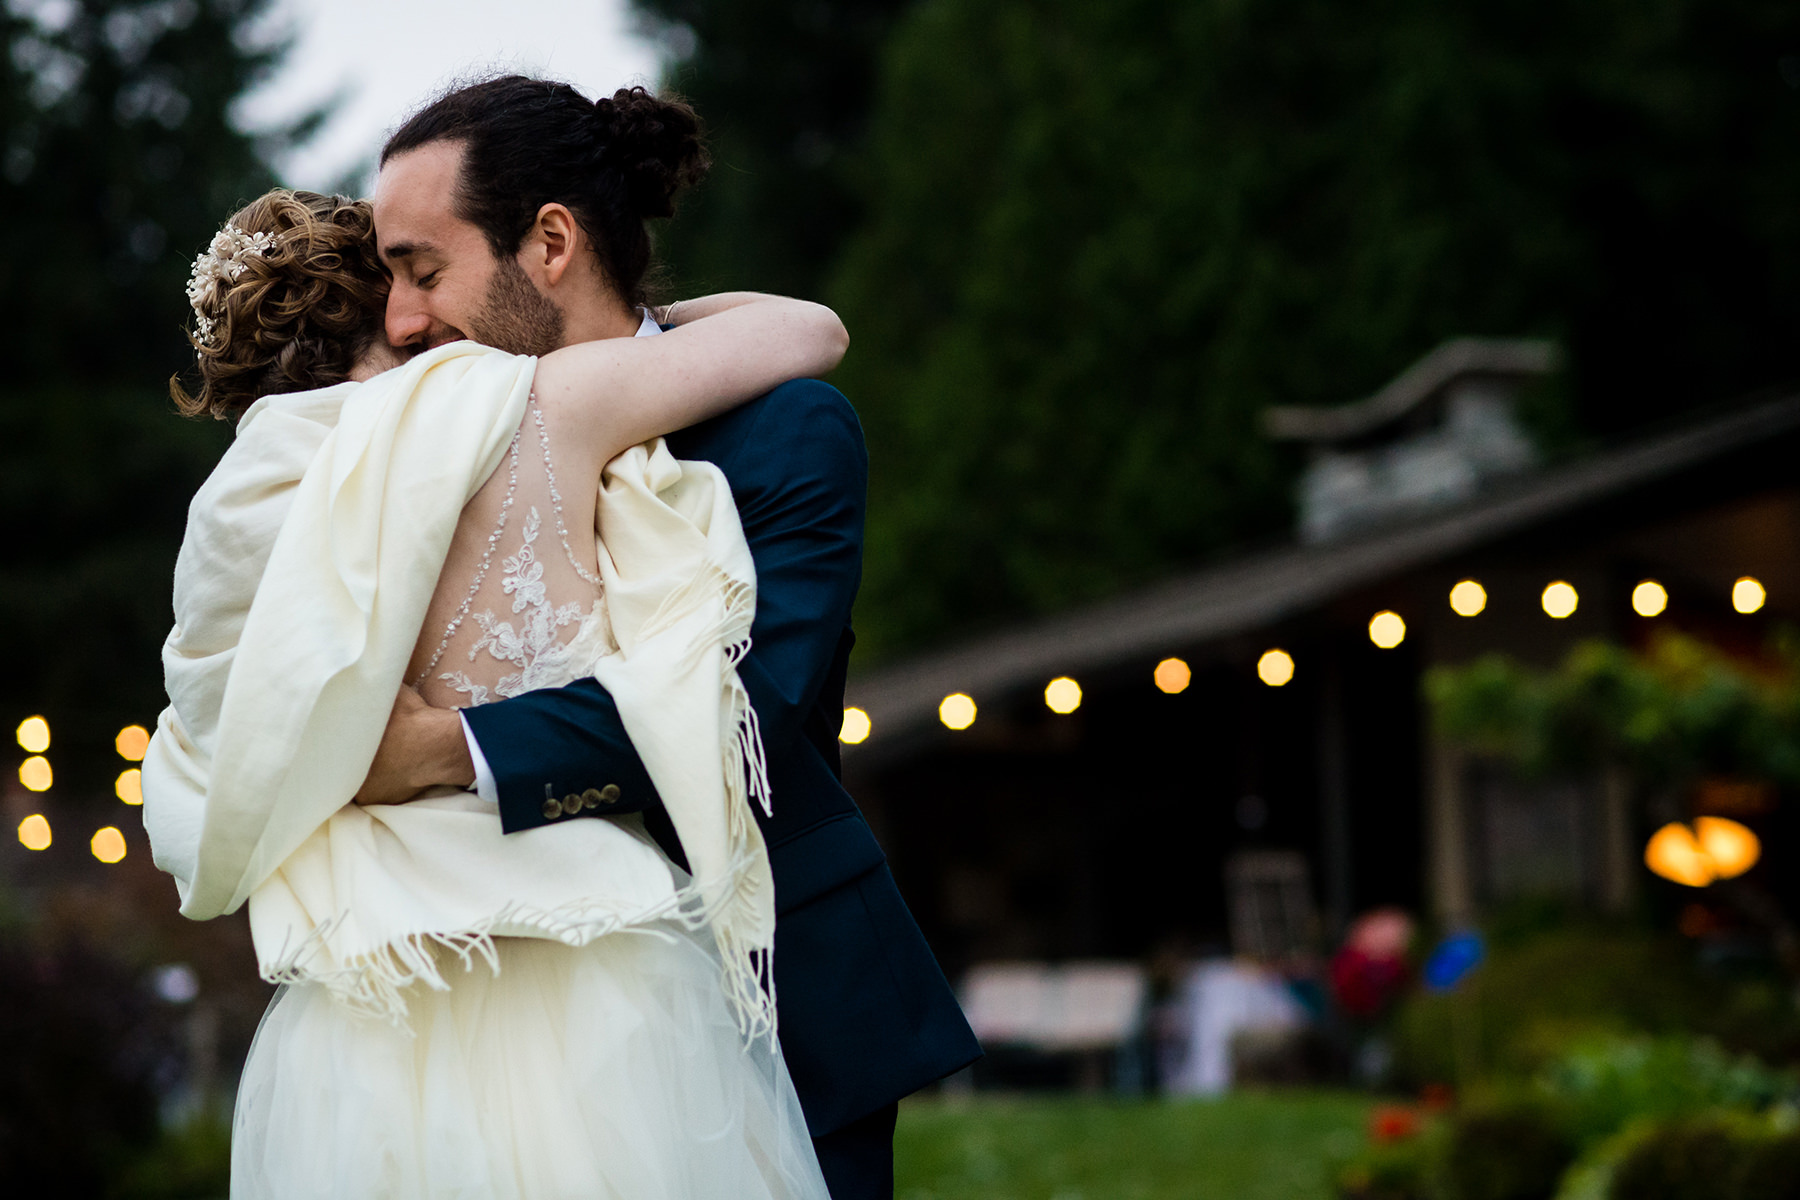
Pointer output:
x,y
612,1070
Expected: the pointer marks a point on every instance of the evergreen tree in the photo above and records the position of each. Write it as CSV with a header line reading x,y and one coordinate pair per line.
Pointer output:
x,y
1103,238
785,89
118,163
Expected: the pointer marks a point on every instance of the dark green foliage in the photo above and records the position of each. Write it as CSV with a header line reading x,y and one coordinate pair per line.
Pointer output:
x,y
1603,1084
192,1161
1102,238
1677,711
1395,1171
1531,1003
1515,1152
83,1048
118,164
785,89
1716,1157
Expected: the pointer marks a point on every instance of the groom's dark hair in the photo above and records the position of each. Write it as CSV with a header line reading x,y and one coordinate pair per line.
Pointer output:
x,y
616,162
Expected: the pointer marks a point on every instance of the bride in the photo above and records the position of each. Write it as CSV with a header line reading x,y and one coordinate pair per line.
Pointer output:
x,y
467,1013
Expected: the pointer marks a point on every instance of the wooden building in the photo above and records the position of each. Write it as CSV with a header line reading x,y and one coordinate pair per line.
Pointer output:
x,y
1108,830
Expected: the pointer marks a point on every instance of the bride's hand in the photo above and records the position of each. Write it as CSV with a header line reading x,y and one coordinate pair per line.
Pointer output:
x,y
421,747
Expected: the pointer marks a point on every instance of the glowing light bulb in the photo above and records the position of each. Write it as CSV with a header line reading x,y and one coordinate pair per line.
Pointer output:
x,y
1649,598
1675,853
34,735
1275,668
1172,676
1062,695
1748,595
131,743
1559,599
856,727
957,711
129,786
1386,629
34,832
35,773
1732,847
1468,598
108,844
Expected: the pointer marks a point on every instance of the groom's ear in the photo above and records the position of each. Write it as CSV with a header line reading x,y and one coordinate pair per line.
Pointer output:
x,y
553,244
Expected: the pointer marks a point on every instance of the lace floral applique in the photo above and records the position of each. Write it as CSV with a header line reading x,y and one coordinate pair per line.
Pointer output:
x,y
531,645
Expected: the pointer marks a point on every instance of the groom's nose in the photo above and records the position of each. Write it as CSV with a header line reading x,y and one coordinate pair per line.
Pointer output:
x,y
407,319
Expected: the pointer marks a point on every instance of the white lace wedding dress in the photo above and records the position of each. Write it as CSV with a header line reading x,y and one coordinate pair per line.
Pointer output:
x,y
611,1070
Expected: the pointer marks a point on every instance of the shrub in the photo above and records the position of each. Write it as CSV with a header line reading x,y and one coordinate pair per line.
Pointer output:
x,y
1607,1083
1534,1000
1515,1152
1718,1156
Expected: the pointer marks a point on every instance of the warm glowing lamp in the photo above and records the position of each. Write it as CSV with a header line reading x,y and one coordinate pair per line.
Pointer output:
x,y
34,735
1649,598
35,773
131,743
1676,854
34,832
957,711
1275,667
1748,595
1172,676
1732,847
1559,599
1386,629
129,786
855,729
108,844
1468,598
1713,849
1062,695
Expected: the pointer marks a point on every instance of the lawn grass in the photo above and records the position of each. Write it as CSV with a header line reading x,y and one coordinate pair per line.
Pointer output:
x,y
1277,1146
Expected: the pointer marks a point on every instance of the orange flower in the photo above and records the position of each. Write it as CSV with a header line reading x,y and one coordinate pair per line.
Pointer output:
x,y
1392,1123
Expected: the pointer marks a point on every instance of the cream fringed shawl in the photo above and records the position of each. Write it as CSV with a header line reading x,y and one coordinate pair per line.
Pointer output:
x,y
311,556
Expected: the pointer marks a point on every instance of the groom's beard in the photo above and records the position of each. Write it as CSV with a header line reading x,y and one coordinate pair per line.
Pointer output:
x,y
515,316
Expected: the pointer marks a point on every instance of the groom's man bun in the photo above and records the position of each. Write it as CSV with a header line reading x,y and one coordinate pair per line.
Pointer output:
x,y
616,163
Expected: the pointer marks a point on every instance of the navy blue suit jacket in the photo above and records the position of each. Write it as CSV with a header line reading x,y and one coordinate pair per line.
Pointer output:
x,y
866,1014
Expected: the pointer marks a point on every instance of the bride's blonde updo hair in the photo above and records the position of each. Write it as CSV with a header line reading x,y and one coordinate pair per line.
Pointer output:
x,y
288,296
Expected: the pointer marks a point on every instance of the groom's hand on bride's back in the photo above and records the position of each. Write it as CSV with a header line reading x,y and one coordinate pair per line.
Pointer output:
x,y
421,747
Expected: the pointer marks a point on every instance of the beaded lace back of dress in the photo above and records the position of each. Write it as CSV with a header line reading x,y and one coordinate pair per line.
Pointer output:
x,y
534,604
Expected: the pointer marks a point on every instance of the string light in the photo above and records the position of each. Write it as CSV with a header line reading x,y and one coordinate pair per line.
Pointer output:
x,y
1172,676
1062,695
856,727
129,786
1649,599
108,844
1468,598
34,832
1559,599
35,773
132,742
1713,849
957,711
1275,667
34,735
1386,629
1748,595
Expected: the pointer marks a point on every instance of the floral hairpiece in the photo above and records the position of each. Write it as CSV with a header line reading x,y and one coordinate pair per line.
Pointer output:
x,y
216,268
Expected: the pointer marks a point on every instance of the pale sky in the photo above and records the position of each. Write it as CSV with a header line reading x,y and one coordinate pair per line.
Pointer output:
x,y
386,56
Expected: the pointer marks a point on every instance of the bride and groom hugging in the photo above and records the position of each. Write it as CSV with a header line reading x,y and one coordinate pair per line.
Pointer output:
x,y
600,839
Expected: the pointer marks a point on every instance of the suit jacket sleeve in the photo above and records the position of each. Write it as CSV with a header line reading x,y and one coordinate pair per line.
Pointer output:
x,y
798,472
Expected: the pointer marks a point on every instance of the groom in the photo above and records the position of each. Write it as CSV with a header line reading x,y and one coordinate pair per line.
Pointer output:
x,y
866,1015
